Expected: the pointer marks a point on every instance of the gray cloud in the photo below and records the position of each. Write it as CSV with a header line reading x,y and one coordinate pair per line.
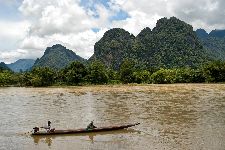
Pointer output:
x,y
210,12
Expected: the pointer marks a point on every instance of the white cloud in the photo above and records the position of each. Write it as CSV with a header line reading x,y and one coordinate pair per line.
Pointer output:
x,y
51,22
65,21
13,31
136,22
208,13
12,55
56,16
34,42
82,43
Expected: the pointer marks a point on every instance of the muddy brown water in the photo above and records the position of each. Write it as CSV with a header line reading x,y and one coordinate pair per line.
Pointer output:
x,y
177,116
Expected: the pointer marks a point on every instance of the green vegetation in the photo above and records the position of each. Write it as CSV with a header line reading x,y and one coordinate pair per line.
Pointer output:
x,y
113,47
182,75
38,77
126,71
97,73
3,66
214,72
74,74
171,44
78,73
5,78
213,43
57,57
169,53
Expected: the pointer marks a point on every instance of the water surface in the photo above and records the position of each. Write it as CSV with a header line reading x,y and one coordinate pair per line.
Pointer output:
x,y
179,116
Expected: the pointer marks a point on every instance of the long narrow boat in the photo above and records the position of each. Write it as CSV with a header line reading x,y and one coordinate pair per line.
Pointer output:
x,y
84,130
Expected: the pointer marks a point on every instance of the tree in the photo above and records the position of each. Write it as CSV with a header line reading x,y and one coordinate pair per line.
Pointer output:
x,y
97,73
5,77
188,75
113,76
214,71
142,76
75,73
163,76
41,76
126,71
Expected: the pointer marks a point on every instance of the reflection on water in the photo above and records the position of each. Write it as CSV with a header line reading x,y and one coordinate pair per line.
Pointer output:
x,y
91,136
47,140
180,116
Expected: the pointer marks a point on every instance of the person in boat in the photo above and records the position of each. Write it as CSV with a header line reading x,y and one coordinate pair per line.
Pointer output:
x,y
35,129
91,126
48,127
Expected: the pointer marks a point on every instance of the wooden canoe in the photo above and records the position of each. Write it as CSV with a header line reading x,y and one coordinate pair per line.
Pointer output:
x,y
84,130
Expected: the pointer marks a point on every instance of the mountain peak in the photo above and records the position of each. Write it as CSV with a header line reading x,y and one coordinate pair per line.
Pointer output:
x,y
201,33
117,33
217,33
56,47
172,25
146,31
113,47
172,43
57,57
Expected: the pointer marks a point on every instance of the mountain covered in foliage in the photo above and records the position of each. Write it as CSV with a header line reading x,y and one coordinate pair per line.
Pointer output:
x,y
57,57
115,45
3,66
21,65
214,43
172,43
217,33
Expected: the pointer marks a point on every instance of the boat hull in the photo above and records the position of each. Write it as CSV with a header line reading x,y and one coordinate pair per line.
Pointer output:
x,y
84,130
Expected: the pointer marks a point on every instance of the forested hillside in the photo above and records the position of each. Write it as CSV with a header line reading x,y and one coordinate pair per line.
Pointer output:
x,y
214,43
113,47
172,43
57,57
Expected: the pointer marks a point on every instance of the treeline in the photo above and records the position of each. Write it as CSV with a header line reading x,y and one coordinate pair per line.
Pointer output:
x,y
78,73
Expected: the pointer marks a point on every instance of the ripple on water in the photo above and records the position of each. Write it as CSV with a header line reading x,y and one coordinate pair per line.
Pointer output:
x,y
180,116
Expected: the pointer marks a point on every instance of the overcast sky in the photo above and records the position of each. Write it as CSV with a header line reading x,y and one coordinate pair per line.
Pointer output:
x,y
27,27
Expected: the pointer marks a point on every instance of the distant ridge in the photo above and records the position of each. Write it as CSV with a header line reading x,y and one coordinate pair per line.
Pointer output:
x,y
213,43
21,65
217,33
202,34
214,33
57,57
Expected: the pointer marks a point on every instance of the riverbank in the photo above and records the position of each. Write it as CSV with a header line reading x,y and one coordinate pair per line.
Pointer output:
x,y
134,87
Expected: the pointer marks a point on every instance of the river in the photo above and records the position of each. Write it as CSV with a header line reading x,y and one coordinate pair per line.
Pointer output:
x,y
176,116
